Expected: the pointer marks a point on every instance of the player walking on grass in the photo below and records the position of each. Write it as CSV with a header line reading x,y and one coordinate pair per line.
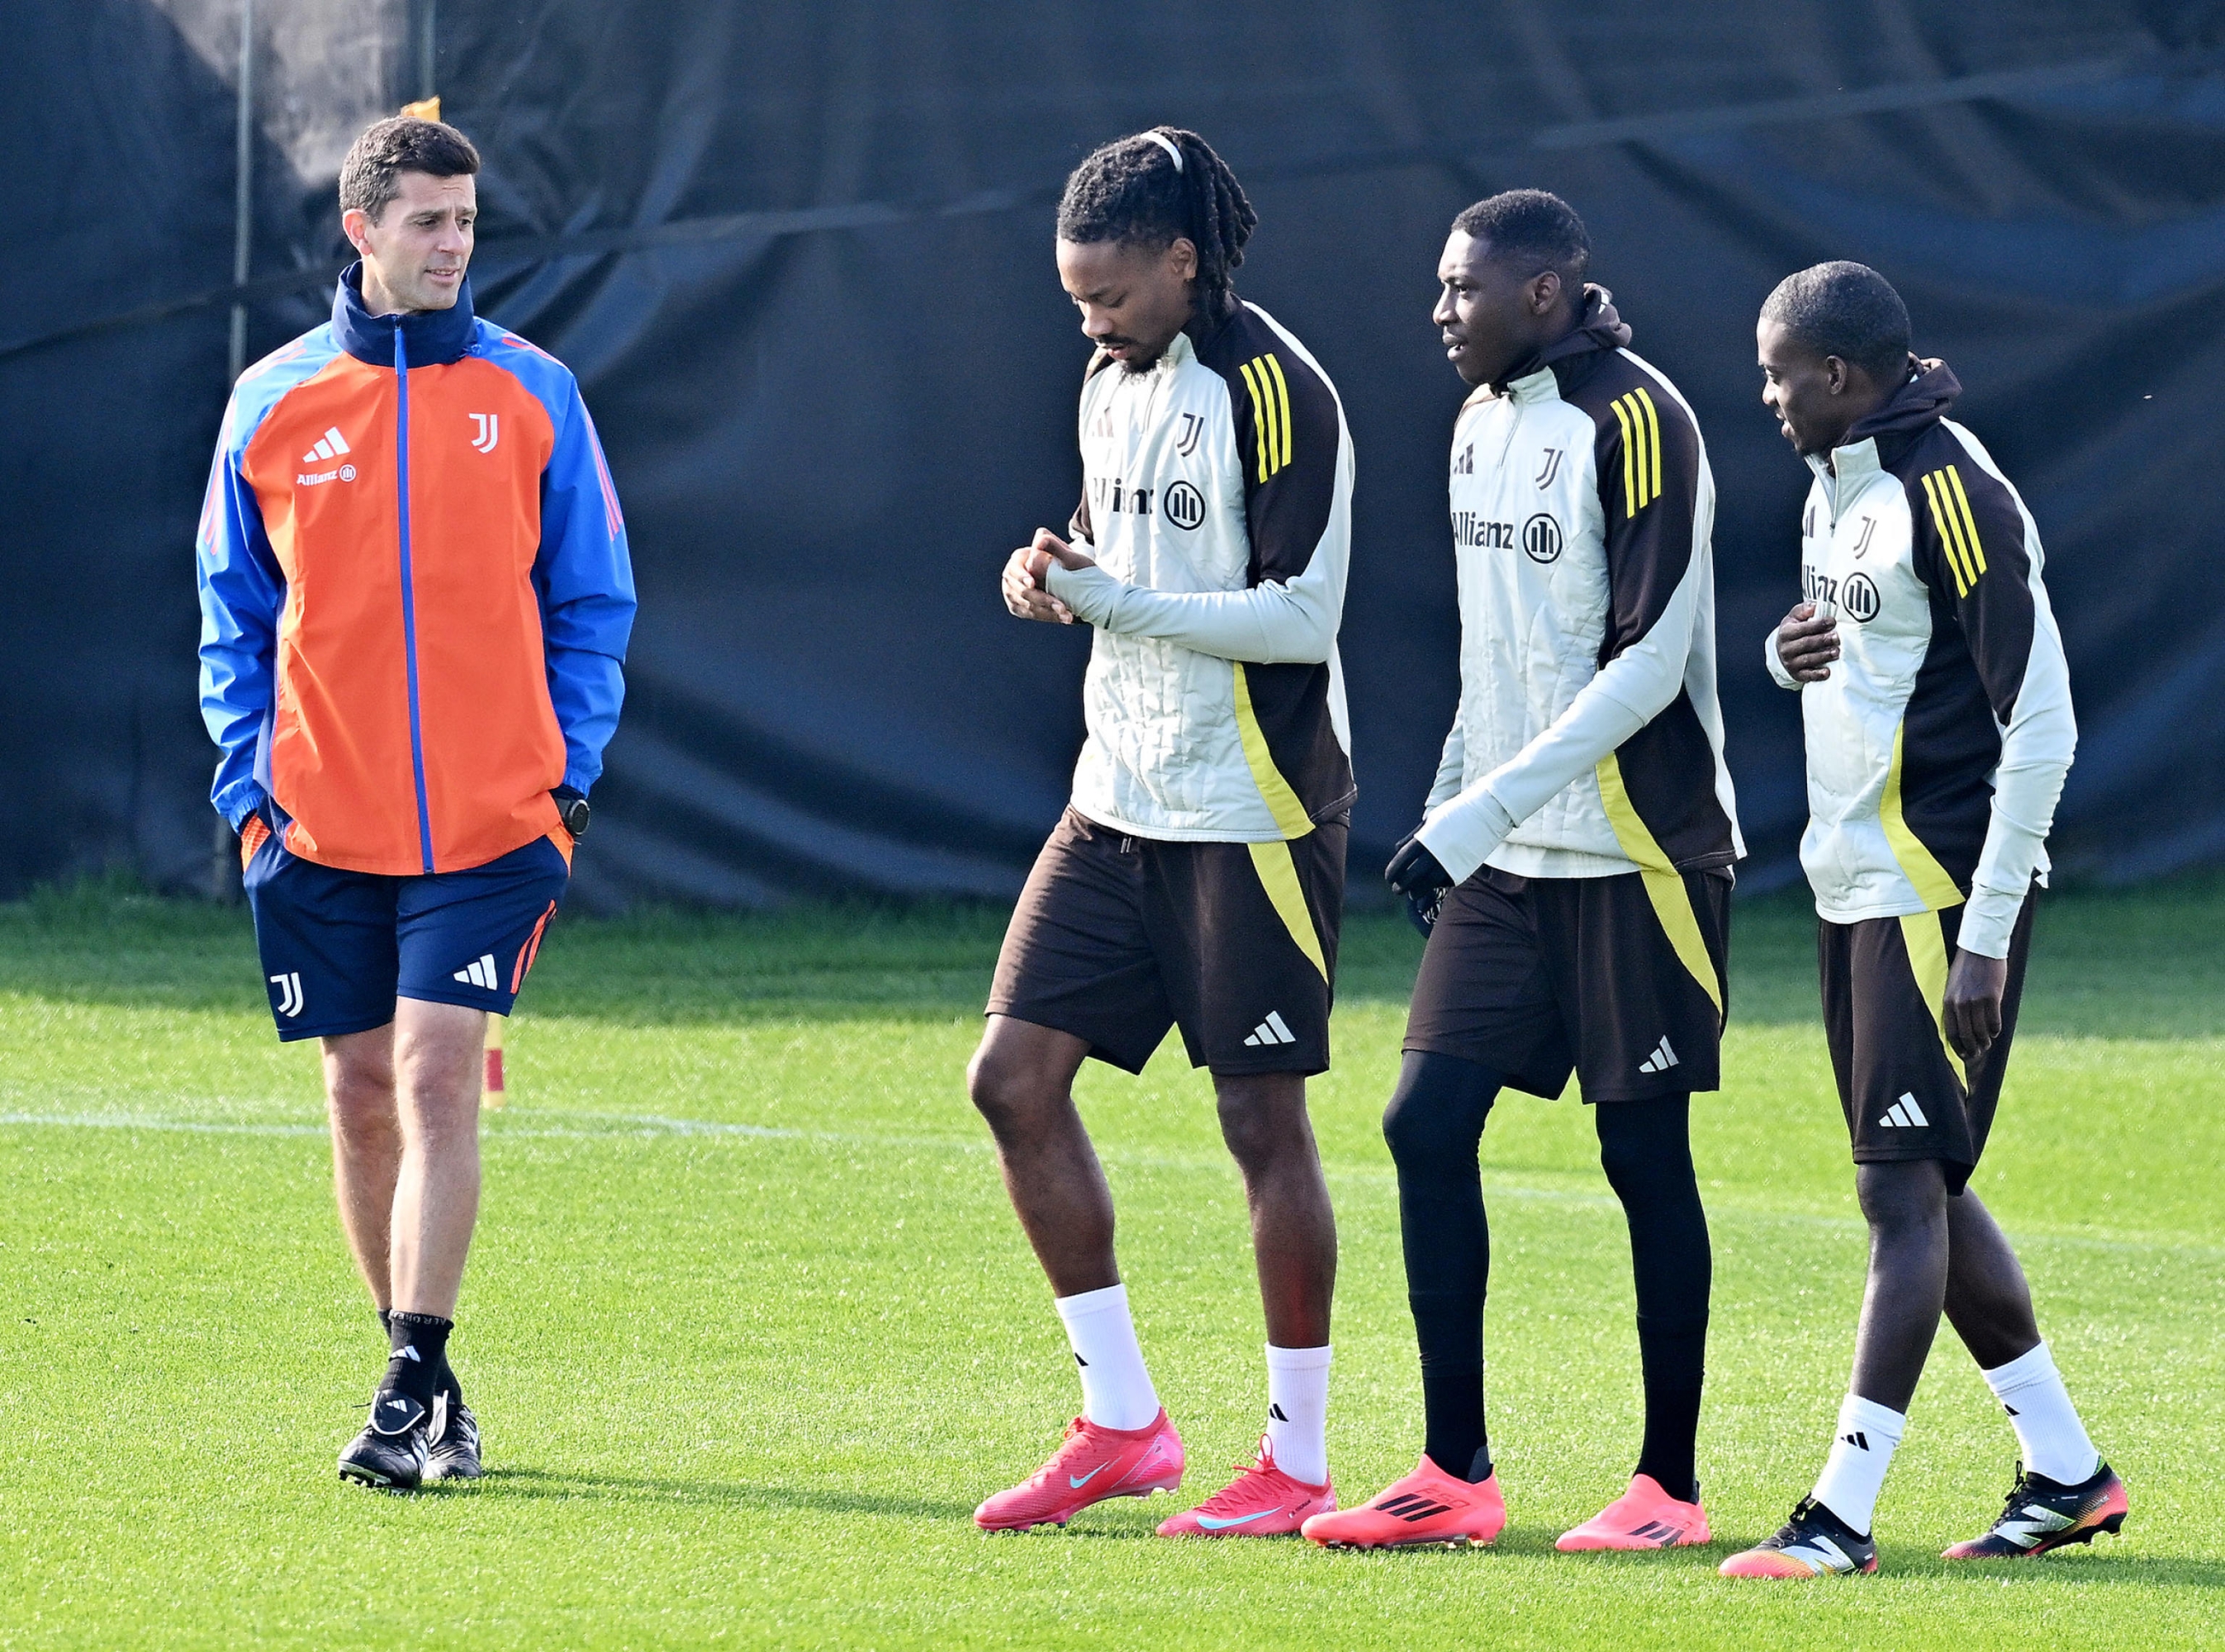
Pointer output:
x,y
415,598
1576,853
1197,880
1937,705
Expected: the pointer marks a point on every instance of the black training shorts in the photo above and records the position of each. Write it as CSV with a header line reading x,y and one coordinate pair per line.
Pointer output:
x,y
1906,1094
1116,938
1620,979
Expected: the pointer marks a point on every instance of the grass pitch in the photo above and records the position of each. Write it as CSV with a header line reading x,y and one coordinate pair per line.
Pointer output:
x,y
751,1329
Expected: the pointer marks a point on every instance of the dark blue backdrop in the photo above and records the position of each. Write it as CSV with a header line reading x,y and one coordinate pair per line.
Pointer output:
x,y
800,256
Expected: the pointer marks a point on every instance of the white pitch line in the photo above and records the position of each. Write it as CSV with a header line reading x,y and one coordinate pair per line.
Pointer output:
x,y
650,1126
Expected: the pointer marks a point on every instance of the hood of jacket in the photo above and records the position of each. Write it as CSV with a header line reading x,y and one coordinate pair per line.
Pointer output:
x,y
1920,403
429,338
1598,327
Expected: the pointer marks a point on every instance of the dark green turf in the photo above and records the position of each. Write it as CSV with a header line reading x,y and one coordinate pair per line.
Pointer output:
x,y
751,1328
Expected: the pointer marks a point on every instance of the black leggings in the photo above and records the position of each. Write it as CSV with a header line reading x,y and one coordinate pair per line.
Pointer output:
x,y
1435,1124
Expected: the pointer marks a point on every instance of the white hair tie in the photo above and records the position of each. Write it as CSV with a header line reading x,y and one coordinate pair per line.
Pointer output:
x,y
1167,144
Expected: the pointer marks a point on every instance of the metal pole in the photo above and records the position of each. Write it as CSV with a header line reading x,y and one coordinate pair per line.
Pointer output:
x,y
224,864
425,87
243,207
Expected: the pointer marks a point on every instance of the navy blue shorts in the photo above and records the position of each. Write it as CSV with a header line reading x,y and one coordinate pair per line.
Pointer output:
x,y
339,947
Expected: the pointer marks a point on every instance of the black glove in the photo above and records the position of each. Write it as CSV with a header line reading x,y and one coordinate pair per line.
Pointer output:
x,y
1415,874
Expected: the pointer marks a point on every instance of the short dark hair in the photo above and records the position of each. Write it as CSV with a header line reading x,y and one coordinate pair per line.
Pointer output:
x,y
1532,227
1132,190
1845,310
370,176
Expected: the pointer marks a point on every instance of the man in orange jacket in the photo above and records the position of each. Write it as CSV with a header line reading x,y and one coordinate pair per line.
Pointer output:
x,y
415,597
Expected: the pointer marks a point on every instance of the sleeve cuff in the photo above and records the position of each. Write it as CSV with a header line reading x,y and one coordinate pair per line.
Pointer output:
x,y
1463,834
1783,678
1988,921
239,801
1089,591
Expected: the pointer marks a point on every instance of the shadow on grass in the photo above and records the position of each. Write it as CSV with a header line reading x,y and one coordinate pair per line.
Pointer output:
x,y
551,1484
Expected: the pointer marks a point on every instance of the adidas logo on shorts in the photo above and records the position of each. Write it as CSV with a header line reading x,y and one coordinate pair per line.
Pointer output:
x,y
1661,1060
1904,1113
1271,1031
479,973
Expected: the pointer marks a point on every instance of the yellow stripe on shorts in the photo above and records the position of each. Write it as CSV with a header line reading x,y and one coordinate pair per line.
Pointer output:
x,y
1277,866
1927,960
1664,885
1290,817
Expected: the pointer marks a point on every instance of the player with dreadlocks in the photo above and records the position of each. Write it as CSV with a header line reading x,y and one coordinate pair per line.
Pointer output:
x,y
1197,879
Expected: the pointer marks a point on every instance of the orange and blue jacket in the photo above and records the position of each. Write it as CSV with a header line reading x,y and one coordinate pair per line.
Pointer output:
x,y
415,592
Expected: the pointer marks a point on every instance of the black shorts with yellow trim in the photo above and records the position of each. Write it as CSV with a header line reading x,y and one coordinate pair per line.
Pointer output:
x,y
1117,937
1905,1093
1538,977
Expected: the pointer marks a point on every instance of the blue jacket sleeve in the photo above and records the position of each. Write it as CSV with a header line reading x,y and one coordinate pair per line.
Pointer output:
x,y
242,590
584,576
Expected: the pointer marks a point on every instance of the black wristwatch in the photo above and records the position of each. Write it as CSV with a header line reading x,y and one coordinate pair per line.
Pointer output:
x,y
572,809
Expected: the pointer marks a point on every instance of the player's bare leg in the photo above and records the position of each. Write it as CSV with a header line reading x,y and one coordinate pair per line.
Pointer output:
x,y
1989,1300
405,1103
1906,1207
366,1149
1122,1445
437,1062
1022,1081
1263,1121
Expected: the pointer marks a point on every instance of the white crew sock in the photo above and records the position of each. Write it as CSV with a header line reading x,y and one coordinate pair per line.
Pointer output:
x,y
1298,1411
1862,1450
1116,1389
2031,1390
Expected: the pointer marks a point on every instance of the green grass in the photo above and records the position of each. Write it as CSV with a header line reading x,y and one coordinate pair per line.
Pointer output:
x,y
751,1328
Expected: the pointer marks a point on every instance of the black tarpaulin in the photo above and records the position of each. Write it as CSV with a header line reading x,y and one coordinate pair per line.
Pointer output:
x,y
800,258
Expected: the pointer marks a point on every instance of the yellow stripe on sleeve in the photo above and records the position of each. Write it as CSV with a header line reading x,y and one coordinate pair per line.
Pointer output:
x,y
1932,885
1969,565
1664,885
1653,440
1947,536
1975,547
1282,394
1278,867
1629,483
1290,816
1927,960
1258,416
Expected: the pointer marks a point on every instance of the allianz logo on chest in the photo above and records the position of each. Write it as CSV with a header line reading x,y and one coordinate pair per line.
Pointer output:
x,y
1539,537
1181,503
1856,596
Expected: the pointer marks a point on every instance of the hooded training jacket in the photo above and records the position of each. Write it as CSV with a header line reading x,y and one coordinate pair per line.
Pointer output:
x,y
1217,504
415,591
1938,744
1588,742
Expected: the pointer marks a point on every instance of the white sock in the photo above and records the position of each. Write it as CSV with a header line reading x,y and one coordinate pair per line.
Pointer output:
x,y
2031,1390
1298,1411
1855,1473
1116,1389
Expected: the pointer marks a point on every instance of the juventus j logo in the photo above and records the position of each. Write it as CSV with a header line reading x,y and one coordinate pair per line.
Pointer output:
x,y
1193,427
1869,527
289,994
489,427
1552,467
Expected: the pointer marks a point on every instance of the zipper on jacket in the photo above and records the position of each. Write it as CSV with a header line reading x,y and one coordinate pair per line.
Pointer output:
x,y
409,596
